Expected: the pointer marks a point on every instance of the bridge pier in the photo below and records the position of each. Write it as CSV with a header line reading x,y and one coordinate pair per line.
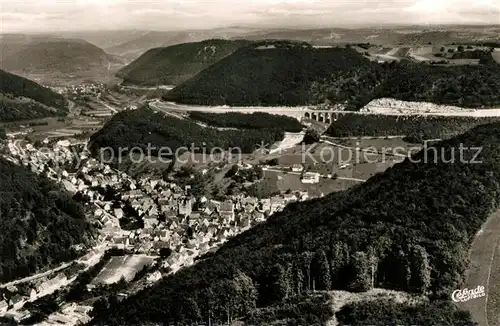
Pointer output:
x,y
328,117
323,116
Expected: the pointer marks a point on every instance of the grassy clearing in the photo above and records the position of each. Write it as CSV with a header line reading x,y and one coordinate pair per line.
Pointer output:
x,y
493,308
339,299
496,55
118,267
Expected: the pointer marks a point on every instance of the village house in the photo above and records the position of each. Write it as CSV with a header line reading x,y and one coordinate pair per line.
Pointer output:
x,y
162,235
185,207
151,222
208,208
121,242
33,294
310,177
265,204
297,168
258,216
289,198
118,212
302,195
277,203
133,194
17,301
4,306
153,210
51,284
226,210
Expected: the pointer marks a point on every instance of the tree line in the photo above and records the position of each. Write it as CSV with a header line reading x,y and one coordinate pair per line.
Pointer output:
x,y
256,120
390,312
18,86
139,128
415,127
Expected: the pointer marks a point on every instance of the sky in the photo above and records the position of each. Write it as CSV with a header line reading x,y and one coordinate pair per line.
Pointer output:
x,y
74,15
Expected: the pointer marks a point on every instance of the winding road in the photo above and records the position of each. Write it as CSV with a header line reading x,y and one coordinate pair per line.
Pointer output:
x,y
37,276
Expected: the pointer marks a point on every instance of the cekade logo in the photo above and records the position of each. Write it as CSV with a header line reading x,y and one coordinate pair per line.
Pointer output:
x,y
466,294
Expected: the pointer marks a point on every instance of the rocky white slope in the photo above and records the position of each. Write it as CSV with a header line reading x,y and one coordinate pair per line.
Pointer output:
x,y
389,105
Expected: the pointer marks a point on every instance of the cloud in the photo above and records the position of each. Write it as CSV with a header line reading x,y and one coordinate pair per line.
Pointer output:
x,y
47,15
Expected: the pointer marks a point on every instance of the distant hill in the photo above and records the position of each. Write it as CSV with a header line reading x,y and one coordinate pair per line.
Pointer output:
x,y
285,73
135,47
177,63
49,56
408,228
22,99
407,35
66,56
10,44
132,49
40,223
104,39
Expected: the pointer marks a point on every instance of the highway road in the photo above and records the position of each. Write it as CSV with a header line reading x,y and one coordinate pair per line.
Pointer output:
x,y
37,276
299,111
167,107
165,87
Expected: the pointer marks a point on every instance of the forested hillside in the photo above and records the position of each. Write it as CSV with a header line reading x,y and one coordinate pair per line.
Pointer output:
x,y
465,86
408,228
285,73
175,64
139,128
18,86
256,120
414,127
40,223
23,99
66,56
272,73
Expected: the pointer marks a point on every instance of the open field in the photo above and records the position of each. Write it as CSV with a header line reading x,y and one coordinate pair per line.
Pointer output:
x,y
68,129
494,291
283,181
339,299
350,165
291,139
421,53
393,145
41,129
496,55
121,266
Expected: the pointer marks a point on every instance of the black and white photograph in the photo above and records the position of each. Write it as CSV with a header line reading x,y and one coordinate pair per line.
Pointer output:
x,y
250,163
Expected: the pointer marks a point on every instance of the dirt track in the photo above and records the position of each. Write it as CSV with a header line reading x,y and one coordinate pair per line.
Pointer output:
x,y
479,273
494,291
